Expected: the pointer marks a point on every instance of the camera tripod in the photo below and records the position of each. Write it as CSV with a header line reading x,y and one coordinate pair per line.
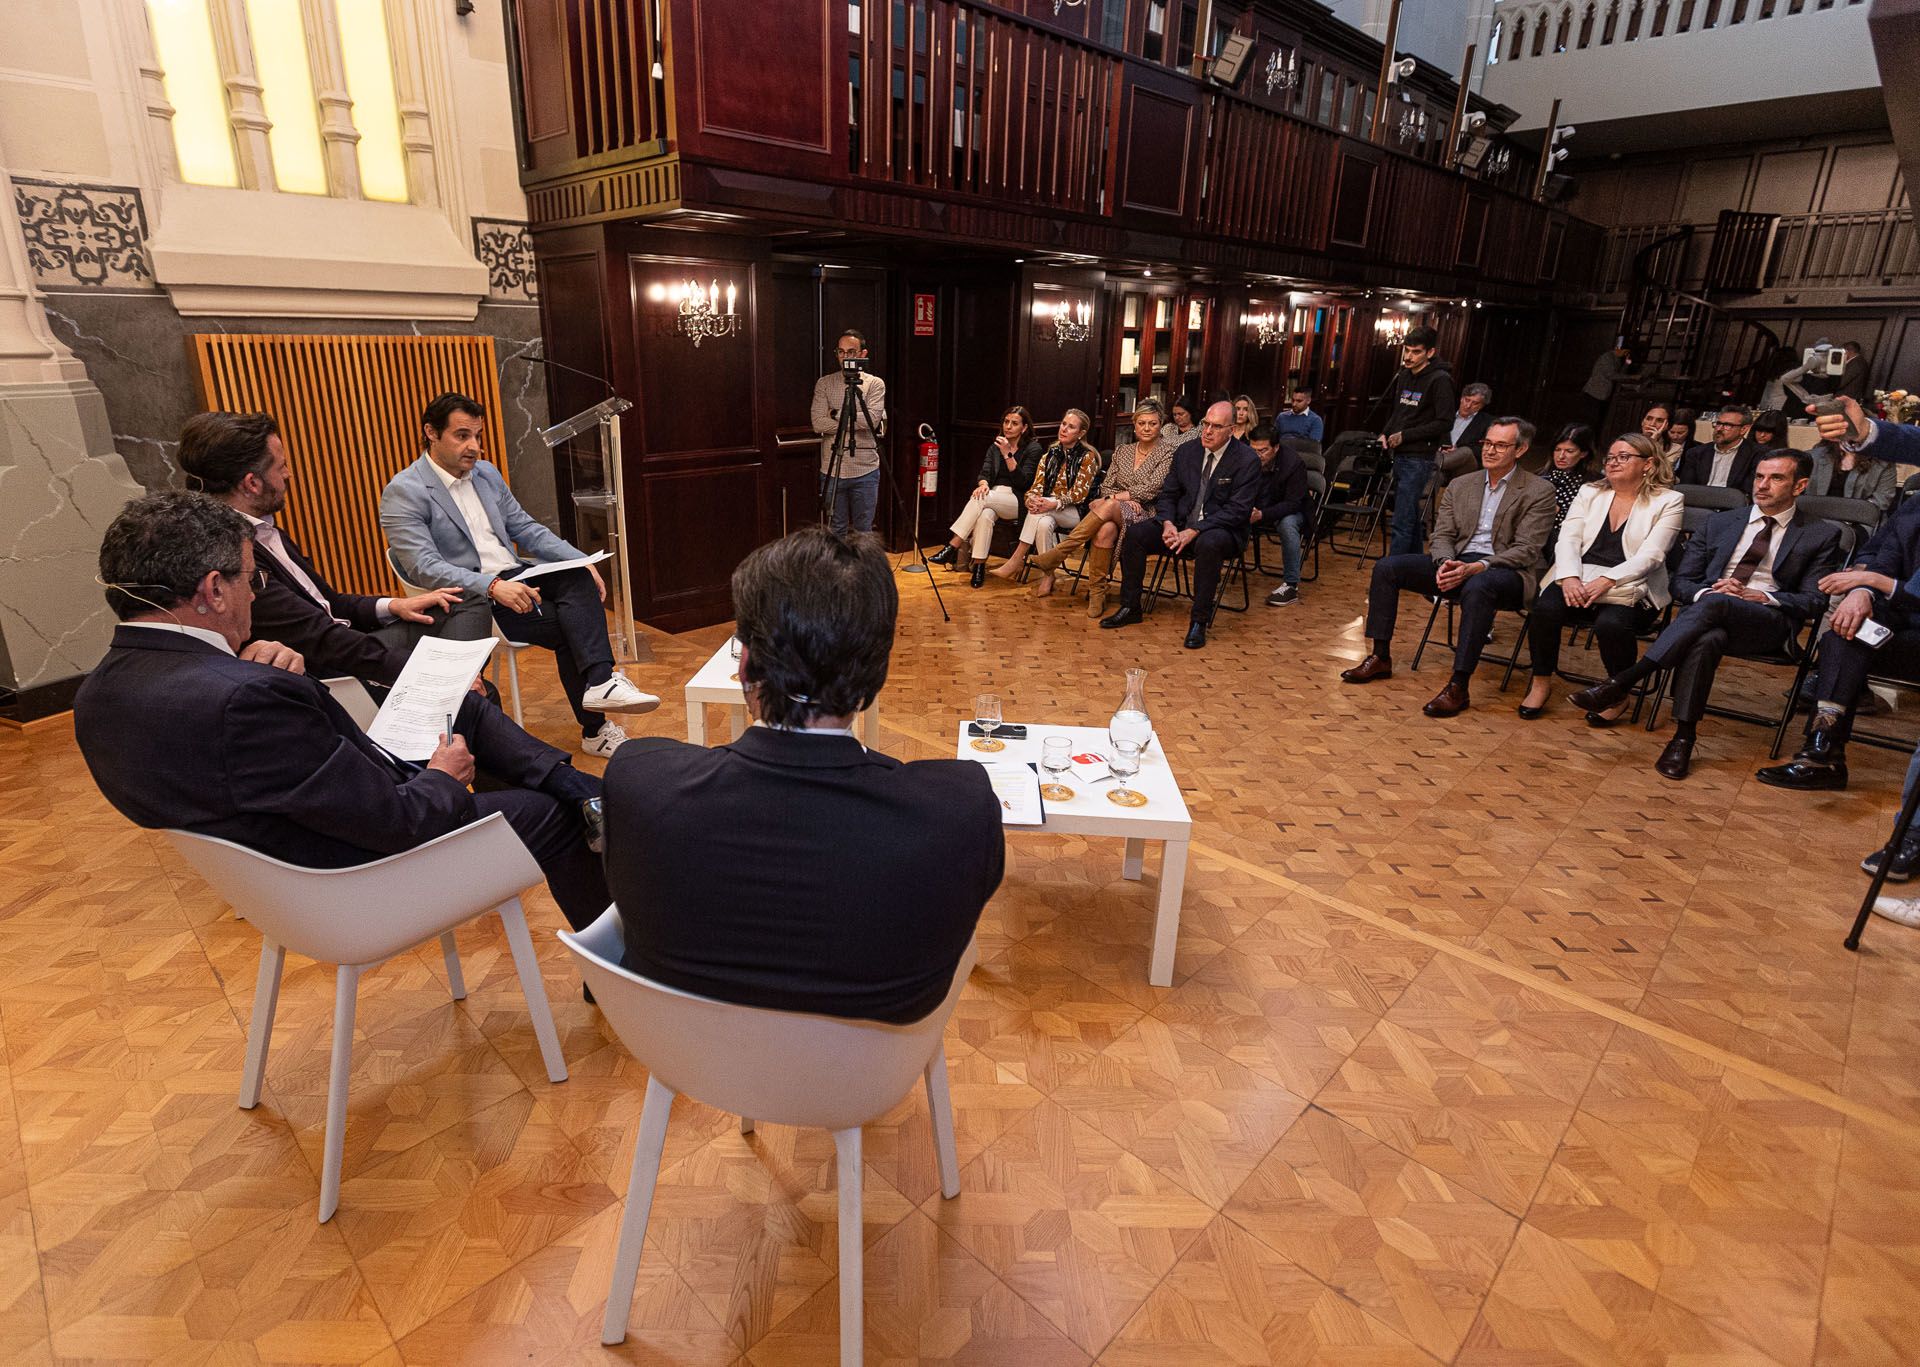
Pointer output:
x,y
843,441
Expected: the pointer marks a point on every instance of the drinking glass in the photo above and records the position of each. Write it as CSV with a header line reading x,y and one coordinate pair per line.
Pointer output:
x,y
1056,756
1125,764
986,716
733,649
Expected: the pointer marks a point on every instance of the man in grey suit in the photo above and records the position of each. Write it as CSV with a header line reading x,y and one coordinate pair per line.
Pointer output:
x,y
452,522
1750,578
1488,541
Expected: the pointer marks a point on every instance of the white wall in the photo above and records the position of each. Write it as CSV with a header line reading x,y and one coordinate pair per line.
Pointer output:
x,y
1435,31
1816,52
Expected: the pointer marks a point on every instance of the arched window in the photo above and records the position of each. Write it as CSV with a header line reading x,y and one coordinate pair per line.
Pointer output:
x,y
1659,19
1612,25
1539,33
1493,42
1633,20
1565,29
1519,37
1586,27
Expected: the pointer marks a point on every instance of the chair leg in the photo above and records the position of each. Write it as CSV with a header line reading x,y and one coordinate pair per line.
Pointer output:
x,y
852,1329
940,1108
1432,617
513,680
746,1124
266,997
1786,715
346,988
528,966
633,1220
456,980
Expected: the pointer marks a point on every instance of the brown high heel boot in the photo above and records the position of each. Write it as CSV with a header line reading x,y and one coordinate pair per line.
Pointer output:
x,y
1099,562
1049,561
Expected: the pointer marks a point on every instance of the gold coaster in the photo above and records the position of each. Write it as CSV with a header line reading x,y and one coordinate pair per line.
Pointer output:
x,y
733,678
1056,792
989,744
1126,797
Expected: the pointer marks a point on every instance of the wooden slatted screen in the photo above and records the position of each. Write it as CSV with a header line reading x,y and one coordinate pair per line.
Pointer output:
x,y
349,411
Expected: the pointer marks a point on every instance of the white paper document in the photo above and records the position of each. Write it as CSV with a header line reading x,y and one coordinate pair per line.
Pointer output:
x,y
535,571
437,677
1019,792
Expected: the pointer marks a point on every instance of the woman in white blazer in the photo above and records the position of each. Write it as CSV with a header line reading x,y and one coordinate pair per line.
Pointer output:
x,y
1609,566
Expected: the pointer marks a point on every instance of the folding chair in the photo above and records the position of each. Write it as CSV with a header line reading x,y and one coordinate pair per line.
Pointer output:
x,y
1309,532
1183,583
1712,496
1358,497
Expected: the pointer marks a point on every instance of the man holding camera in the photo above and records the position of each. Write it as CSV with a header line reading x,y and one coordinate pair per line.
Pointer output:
x,y
854,487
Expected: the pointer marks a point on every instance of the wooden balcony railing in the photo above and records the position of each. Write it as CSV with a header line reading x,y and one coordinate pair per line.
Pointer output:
x,y
1866,249
964,118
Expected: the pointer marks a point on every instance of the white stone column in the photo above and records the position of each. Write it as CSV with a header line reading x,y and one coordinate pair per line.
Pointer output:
x,y
410,88
339,139
246,111
61,482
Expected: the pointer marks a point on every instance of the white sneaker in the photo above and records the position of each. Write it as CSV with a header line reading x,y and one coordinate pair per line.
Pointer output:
x,y
604,741
1904,910
618,695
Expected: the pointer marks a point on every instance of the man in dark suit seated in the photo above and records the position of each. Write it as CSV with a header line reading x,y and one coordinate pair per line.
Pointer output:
x,y
1727,461
1748,580
239,459
1202,510
182,732
795,869
1488,540
1874,586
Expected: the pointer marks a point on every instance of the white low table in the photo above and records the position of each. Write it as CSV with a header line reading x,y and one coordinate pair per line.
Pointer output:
x,y
1164,818
718,682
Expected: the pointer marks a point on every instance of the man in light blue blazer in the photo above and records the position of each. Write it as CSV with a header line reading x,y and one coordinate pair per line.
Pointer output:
x,y
451,522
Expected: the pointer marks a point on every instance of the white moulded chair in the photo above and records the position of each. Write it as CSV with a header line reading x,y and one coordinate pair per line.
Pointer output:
x,y
358,917
352,695
783,1066
511,649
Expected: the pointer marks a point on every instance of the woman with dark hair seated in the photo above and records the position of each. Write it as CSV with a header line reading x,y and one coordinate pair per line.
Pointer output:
x,y
1839,473
1133,481
1006,473
1059,493
1680,432
1183,418
1609,567
1655,422
1569,467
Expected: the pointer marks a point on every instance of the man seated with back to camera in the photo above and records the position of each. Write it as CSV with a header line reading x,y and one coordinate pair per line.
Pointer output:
x,y
241,460
451,521
1280,508
186,726
1202,510
795,869
1488,540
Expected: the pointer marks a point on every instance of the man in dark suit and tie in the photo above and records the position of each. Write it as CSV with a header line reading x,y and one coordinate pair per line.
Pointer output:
x,y
240,459
794,869
1203,511
1749,579
185,726
1488,542
1727,461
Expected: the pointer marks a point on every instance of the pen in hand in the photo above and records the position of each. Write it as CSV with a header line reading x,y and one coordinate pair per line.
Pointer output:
x,y
446,737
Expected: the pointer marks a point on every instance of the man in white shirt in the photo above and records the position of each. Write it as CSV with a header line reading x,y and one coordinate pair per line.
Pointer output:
x,y
1750,578
1727,462
451,521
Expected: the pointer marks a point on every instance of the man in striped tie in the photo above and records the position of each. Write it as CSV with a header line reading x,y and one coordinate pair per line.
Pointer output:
x,y
1748,581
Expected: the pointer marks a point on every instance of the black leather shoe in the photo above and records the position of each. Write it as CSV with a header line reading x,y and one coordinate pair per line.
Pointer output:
x,y
979,575
1196,635
1599,721
945,555
586,995
1676,759
1124,617
1823,744
596,823
1530,713
1904,862
1602,697
1805,775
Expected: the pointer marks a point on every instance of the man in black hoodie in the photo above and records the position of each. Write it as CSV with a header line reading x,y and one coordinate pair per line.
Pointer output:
x,y
1420,405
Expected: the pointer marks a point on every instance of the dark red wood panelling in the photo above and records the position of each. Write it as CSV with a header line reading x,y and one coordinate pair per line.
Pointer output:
x,y
791,108
1158,132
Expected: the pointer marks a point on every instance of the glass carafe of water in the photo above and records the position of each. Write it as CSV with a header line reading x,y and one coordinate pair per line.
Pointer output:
x,y
1130,721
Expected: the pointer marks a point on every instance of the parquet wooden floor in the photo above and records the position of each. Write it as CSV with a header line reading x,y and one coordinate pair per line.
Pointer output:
x,y
1486,1045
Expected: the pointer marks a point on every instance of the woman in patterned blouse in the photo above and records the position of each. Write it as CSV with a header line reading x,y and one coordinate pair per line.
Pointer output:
x,y
1133,481
1059,493
1570,466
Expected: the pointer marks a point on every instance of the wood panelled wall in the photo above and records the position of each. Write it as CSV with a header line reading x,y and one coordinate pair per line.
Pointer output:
x,y
349,413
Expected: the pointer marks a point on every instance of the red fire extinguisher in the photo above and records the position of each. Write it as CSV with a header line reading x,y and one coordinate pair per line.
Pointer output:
x,y
929,462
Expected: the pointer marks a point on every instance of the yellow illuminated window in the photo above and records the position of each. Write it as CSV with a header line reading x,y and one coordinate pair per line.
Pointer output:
x,y
376,111
183,41
280,62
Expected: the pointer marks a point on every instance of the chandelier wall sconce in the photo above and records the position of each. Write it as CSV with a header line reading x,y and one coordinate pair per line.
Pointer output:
x,y
1283,71
1391,330
1266,327
1071,322
701,313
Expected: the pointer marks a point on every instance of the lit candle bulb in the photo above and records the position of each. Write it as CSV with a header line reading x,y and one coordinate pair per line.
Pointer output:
x,y
729,300
713,296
